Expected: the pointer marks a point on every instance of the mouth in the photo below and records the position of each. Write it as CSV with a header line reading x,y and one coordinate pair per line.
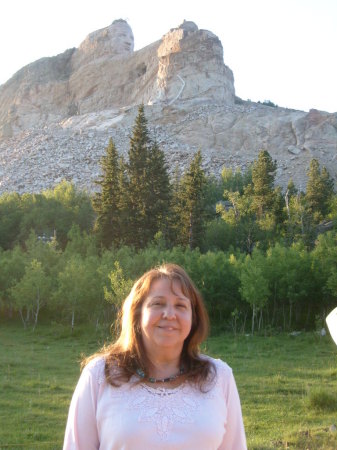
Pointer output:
x,y
167,328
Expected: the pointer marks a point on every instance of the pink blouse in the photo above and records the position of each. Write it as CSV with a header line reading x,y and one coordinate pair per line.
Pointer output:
x,y
140,417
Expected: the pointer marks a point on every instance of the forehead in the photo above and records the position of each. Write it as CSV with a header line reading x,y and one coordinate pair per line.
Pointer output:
x,y
165,285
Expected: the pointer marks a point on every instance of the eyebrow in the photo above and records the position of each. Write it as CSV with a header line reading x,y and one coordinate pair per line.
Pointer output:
x,y
162,297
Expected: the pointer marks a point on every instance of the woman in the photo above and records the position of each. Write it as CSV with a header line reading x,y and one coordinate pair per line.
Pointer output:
x,y
152,389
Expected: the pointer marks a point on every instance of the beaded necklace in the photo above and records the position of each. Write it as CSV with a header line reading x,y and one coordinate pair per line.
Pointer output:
x,y
141,374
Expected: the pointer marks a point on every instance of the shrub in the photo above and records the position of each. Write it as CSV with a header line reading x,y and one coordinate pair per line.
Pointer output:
x,y
322,400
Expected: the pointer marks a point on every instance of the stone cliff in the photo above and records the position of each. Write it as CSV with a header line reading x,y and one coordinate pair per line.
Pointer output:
x,y
105,73
57,114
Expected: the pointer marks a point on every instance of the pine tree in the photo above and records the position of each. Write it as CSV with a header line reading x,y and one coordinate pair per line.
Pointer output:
x,y
148,188
263,177
159,200
137,184
106,202
328,189
257,207
174,219
319,190
190,205
291,188
123,204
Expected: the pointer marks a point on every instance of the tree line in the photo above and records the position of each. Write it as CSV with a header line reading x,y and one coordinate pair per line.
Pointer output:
x,y
258,254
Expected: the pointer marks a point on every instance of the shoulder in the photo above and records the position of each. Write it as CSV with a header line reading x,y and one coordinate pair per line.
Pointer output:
x,y
223,374
95,369
222,369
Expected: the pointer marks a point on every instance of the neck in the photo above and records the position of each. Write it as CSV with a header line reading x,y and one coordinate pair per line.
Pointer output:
x,y
164,364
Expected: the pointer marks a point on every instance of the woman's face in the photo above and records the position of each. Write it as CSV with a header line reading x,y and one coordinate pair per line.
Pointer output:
x,y
166,317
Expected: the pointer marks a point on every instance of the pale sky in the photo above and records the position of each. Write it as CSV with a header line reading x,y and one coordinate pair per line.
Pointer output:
x,y
279,50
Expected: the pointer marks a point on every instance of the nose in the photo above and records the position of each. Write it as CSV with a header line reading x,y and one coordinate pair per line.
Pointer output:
x,y
169,313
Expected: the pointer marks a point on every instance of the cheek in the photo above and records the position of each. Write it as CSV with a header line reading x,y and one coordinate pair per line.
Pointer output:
x,y
148,317
191,320
144,319
188,320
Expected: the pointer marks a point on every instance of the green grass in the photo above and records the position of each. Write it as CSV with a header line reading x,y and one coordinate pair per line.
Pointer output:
x,y
288,389
287,385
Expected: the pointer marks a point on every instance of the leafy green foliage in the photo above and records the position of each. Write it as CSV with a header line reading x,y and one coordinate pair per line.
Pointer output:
x,y
254,285
11,215
32,291
207,225
236,181
49,214
119,287
78,289
253,207
219,235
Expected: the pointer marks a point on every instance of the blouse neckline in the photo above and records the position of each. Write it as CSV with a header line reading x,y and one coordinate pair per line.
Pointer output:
x,y
163,390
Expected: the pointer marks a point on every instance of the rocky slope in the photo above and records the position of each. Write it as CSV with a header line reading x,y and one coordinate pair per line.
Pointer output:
x,y
57,114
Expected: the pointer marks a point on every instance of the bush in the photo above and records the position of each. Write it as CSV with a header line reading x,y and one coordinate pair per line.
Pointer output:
x,y
322,400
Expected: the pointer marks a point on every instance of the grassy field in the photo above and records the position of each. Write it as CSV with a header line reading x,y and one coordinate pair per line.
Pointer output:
x,y
288,386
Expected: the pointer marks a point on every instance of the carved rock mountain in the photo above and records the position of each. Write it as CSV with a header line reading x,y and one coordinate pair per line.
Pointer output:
x,y
57,114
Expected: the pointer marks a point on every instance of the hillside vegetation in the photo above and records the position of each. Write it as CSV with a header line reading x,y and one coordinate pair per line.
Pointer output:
x,y
263,259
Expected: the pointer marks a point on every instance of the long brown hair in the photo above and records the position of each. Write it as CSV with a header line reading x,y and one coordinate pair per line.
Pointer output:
x,y
128,354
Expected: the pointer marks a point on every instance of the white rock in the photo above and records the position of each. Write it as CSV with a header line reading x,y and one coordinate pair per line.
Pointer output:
x,y
294,150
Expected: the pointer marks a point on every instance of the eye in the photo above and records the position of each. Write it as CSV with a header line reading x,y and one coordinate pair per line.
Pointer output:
x,y
156,303
181,305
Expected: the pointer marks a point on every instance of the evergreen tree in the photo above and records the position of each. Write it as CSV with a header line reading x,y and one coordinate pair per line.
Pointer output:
x,y
291,188
190,205
267,201
256,211
137,183
328,189
159,200
174,218
106,203
124,213
319,191
236,181
147,186
263,177
291,191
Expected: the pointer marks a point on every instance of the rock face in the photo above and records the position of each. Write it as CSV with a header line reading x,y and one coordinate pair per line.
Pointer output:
x,y
110,42
105,73
57,114
191,66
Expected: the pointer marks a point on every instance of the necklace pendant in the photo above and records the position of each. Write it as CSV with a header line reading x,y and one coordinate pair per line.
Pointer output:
x,y
140,373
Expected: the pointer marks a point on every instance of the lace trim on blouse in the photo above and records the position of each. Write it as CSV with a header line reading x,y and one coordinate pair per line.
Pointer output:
x,y
161,406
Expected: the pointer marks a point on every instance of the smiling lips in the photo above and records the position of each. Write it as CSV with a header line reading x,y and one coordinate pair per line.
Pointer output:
x,y
167,328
